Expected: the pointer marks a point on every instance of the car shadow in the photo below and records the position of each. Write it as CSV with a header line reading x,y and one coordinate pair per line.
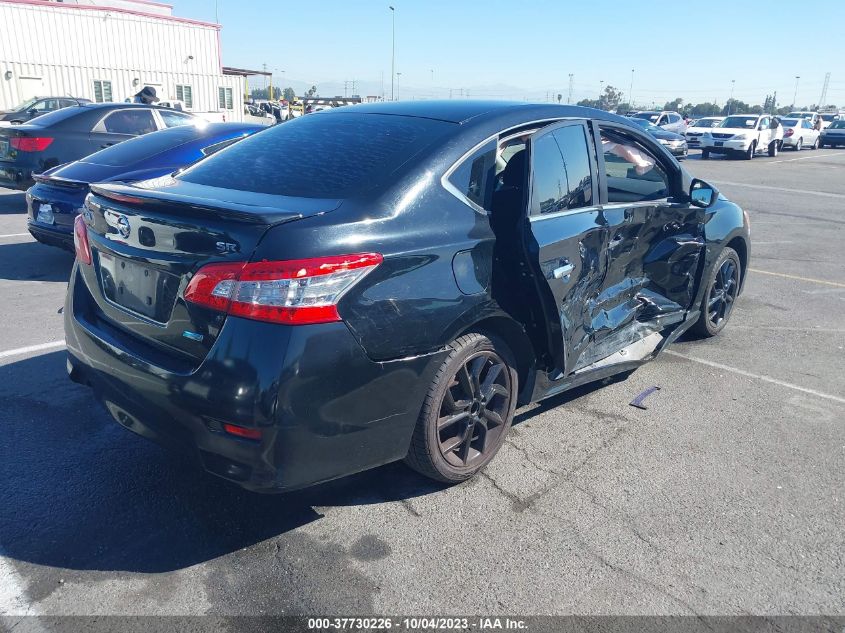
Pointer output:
x,y
12,202
33,261
82,493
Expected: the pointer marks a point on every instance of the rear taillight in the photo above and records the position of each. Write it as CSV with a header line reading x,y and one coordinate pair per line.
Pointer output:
x,y
80,240
789,132
30,143
296,292
245,432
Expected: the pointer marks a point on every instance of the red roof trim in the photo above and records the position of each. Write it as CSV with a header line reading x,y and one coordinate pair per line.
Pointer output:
x,y
85,7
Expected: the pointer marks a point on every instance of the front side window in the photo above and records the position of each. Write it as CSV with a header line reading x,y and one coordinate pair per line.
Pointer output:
x,y
474,177
131,122
633,174
224,98
102,91
185,94
561,171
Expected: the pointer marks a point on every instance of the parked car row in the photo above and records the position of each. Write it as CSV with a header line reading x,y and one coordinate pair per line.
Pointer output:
x,y
35,107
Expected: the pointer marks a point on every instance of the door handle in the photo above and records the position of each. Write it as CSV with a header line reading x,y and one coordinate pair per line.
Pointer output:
x,y
563,271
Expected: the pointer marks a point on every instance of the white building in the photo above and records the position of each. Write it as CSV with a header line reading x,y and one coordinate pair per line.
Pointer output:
x,y
108,50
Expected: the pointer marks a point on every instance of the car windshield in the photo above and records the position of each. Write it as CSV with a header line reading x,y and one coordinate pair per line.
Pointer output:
x,y
648,116
25,105
337,155
828,117
801,115
739,121
789,122
707,123
837,125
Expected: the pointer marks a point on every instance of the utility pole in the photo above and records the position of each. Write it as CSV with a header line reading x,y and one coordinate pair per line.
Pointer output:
x,y
823,98
631,91
392,49
775,102
731,100
795,94
569,97
397,85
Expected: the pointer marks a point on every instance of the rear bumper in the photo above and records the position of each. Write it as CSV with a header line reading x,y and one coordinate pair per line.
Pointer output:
x,y
14,177
324,408
726,146
52,235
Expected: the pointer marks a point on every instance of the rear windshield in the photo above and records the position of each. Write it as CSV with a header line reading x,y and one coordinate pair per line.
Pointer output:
x,y
330,155
142,147
837,125
789,122
57,116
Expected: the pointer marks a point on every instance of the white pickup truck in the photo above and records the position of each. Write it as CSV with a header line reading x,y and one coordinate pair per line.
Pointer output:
x,y
743,135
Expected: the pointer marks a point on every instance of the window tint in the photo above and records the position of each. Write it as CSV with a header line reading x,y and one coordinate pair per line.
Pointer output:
x,y
674,118
132,122
475,176
175,119
338,154
561,171
633,174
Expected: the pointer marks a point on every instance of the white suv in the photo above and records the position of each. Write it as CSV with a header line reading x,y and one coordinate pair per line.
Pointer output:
x,y
745,135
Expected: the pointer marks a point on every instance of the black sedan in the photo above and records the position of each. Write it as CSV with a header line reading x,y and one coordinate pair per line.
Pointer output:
x,y
396,289
833,135
71,133
32,108
675,143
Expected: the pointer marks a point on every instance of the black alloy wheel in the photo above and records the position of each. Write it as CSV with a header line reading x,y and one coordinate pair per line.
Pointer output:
x,y
468,410
722,291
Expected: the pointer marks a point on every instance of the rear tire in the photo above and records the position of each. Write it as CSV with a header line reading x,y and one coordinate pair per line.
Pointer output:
x,y
773,149
798,145
816,144
705,154
720,295
467,412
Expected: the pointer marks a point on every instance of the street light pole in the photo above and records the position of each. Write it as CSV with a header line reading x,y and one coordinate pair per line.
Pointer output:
x,y
795,95
392,49
397,85
631,91
731,100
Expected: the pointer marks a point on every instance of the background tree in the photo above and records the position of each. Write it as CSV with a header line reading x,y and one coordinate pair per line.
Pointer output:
x,y
735,106
289,94
675,105
704,109
311,91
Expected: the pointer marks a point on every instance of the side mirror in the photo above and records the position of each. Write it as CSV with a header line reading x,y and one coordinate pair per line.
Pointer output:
x,y
702,195
32,112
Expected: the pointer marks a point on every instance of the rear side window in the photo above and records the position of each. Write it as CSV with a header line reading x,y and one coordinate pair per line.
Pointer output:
x,y
561,171
474,177
137,149
331,155
632,173
132,122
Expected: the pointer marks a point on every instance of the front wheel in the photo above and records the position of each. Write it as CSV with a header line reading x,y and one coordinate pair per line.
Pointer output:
x,y
816,144
705,154
467,412
720,296
749,153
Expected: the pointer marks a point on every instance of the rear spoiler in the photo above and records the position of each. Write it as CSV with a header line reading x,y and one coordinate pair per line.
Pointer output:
x,y
59,181
169,195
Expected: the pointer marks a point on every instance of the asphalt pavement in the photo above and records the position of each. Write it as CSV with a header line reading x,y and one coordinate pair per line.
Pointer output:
x,y
724,497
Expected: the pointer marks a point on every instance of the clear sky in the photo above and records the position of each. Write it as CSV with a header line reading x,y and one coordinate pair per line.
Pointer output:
x,y
527,49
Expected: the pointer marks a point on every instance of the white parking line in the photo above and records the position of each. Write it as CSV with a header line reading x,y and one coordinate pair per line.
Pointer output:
x,y
763,377
824,194
790,160
14,235
32,348
797,277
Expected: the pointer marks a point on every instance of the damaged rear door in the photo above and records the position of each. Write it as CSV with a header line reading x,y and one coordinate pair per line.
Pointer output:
x,y
654,244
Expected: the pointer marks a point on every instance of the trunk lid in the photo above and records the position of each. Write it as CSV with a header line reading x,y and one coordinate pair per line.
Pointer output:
x,y
147,243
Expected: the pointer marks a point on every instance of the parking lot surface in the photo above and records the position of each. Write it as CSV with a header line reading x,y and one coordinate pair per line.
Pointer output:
x,y
725,496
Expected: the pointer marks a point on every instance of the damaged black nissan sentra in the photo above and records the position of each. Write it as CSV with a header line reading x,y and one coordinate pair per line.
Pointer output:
x,y
390,281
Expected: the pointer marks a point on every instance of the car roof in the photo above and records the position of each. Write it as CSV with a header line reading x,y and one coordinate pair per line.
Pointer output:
x,y
462,111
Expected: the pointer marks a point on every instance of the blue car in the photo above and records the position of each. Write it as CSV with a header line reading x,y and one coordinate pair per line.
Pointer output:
x,y
58,194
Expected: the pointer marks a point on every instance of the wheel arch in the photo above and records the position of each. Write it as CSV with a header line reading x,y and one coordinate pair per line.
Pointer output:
x,y
515,337
739,244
